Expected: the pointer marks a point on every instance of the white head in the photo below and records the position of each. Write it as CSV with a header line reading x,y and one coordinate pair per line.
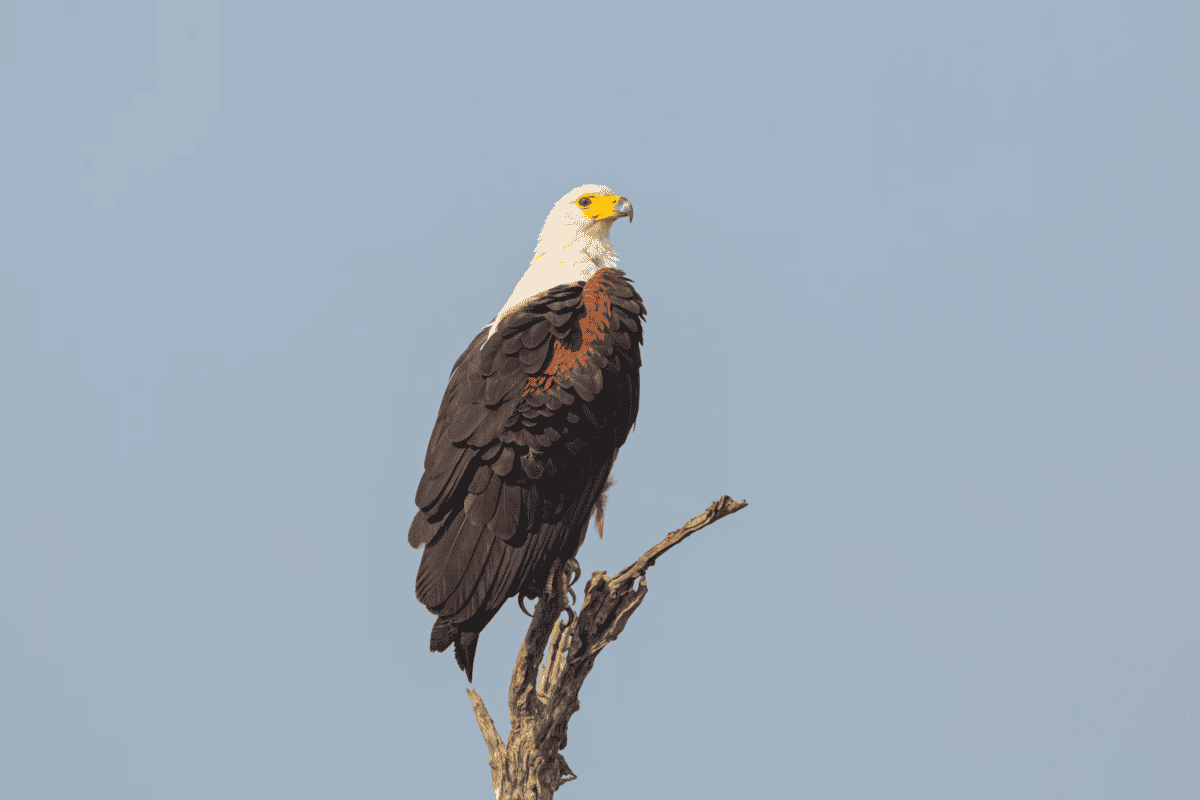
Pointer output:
x,y
573,243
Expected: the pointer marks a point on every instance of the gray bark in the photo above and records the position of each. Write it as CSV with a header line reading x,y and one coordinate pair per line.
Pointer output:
x,y
530,766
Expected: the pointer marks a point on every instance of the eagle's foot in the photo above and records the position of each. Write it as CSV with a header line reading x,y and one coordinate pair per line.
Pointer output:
x,y
559,586
572,568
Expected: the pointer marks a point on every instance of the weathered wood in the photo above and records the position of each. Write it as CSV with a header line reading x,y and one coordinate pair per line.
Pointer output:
x,y
530,766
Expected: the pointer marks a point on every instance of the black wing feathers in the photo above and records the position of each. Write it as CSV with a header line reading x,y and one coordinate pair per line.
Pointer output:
x,y
488,497
511,475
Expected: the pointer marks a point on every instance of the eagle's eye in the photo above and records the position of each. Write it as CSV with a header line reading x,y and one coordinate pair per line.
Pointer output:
x,y
584,202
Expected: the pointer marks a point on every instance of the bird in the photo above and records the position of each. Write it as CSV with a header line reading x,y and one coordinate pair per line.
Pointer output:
x,y
535,410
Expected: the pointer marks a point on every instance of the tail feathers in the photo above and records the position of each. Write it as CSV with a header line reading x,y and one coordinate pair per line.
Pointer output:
x,y
464,652
444,634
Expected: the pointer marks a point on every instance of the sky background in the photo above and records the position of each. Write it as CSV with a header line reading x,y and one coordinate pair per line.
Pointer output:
x,y
923,284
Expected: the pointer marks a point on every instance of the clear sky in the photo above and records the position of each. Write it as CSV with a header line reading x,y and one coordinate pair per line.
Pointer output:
x,y
923,284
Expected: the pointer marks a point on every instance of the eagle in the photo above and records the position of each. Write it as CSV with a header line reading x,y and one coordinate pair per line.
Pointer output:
x,y
536,409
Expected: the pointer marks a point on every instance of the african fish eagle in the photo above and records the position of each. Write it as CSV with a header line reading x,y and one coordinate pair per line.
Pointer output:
x,y
531,421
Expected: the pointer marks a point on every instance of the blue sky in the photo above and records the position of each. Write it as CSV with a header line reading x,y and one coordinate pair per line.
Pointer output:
x,y
922,287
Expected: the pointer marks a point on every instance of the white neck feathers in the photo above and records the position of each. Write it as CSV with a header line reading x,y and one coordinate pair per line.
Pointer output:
x,y
570,248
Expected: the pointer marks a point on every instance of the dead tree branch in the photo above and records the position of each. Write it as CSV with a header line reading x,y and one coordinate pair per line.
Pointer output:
x,y
530,766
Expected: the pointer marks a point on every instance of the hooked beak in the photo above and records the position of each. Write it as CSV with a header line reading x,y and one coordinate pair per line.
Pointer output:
x,y
623,208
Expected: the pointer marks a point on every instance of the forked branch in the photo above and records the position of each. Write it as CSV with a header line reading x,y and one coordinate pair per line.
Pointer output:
x,y
530,766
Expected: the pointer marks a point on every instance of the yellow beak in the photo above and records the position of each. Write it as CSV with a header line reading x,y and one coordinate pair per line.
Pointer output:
x,y
609,207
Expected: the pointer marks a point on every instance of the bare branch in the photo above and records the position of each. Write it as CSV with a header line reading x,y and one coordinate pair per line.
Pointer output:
x,y
722,508
495,745
531,766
